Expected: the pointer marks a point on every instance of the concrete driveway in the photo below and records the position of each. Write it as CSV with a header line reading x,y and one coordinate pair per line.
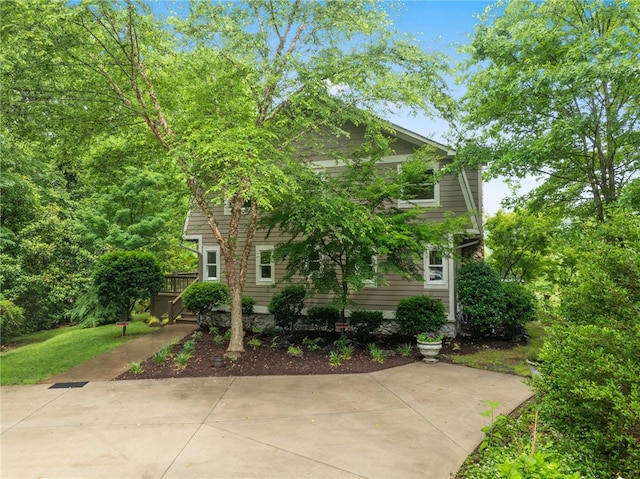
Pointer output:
x,y
415,421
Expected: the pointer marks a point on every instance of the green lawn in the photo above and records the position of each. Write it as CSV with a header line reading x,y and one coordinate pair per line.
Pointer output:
x,y
512,360
46,353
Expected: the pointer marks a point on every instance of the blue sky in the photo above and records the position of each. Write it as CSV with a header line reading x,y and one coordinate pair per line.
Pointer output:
x,y
444,25
440,25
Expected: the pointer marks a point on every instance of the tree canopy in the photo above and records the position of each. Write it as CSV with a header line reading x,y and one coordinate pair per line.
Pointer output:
x,y
554,91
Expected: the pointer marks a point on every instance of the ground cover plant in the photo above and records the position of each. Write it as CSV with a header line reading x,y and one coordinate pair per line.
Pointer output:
x,y
58,350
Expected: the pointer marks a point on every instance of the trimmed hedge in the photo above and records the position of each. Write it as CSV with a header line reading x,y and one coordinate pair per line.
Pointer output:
x,y
204,296
420,314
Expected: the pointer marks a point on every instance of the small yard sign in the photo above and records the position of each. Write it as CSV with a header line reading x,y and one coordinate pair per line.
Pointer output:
x,y
124,325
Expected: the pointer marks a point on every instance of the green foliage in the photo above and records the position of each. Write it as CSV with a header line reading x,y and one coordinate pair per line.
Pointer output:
x,y
349,232
286,306
135,368
519,243
204,296
247,305
182,359
589,390
582,144
335,359
161,356
123,277
480,293
255,342
57,350
537,465
311,344
405,350
295,351
365,322
420,314
377,354
218,340
518,309
11,320
322,317
89,311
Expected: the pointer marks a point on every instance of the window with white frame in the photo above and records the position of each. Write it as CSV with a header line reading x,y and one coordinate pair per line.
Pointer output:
x,y
373,266
435,267
314,263
211,258
422,190
265,266
246,206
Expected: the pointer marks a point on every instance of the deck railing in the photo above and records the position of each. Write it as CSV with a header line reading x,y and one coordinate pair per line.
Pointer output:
x,y
178,282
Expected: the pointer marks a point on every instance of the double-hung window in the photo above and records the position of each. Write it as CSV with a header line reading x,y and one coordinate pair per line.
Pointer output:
x,y
265,266
211,264
422,190
435,267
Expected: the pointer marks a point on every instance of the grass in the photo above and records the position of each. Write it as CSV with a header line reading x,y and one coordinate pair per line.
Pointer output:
x,y
35,357
512,360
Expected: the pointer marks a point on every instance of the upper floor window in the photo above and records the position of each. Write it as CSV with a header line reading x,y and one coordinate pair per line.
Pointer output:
x,y
212,264
373,267
422,190
435,267
246,206
265,266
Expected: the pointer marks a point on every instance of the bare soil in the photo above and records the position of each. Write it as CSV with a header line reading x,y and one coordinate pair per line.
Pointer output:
x,y
272,357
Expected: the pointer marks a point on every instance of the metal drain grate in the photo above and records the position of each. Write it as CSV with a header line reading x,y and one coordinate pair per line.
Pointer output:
x,y
68,385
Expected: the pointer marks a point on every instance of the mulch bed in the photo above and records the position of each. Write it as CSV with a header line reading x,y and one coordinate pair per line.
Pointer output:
x,y
271,357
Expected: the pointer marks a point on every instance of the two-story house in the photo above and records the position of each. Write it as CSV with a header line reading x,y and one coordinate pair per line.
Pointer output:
x,y
460,194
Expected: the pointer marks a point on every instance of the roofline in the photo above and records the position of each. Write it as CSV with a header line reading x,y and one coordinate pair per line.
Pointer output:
x,y
416,138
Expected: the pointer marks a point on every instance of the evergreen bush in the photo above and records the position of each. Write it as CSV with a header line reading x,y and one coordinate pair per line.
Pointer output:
x,y
420,314
518,309
286,306
322,317
204,296
365,322
247,305
482,298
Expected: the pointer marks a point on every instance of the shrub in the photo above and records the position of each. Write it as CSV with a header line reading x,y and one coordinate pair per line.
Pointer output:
x,y
11,320
420,314
323,317
204,296
589,390
123,277
286,306
247,304
365,322
90,312
480,292
518,309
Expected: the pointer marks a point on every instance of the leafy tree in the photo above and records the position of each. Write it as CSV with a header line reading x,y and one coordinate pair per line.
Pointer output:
x,y
123,277
347,218
519,242
553,91
235,104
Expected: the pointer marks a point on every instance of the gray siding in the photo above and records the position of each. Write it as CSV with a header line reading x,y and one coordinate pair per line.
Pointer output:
x,y
383,298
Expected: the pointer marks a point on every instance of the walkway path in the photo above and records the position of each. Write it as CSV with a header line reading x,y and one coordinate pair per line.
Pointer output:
x,y
415,421
112,364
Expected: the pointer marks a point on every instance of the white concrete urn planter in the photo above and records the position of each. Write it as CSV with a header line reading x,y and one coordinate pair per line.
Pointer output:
x,y
429,348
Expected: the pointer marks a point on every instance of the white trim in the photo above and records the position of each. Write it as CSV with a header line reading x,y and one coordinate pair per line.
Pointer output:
x,y
259,278
468,199
336,163
205,269
197,238
442,283
415,138
405,204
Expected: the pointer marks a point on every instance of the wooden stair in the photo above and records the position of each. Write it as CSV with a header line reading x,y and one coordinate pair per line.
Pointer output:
x,y
188,317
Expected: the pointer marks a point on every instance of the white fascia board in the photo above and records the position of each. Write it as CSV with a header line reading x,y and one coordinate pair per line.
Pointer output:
x,y
468,199
417,139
